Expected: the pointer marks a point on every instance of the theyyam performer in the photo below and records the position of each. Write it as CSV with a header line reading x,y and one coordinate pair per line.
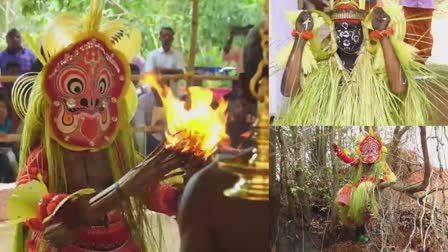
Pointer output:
x,y
361,73
356,201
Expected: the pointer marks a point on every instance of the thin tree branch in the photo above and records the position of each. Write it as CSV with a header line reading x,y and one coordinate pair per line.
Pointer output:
x,y
427,171
433,191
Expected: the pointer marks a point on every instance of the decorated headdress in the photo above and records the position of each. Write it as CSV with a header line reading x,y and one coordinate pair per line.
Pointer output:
x,y
85,82
347,10
370,148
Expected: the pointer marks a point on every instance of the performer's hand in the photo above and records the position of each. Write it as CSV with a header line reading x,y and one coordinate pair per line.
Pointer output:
x,y
71,218
380,19
334,145
304,22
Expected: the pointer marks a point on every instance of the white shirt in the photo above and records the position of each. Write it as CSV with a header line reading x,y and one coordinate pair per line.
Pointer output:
x,y
143,117
161,59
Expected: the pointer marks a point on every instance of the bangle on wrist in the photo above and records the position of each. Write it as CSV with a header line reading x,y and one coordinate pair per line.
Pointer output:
x,y
306,35
379,34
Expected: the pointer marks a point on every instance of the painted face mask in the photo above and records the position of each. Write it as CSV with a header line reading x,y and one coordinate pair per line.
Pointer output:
x,y
349,37
84,83
370,149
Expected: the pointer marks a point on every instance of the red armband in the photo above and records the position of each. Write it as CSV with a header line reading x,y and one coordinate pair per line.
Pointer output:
x,y
46,207
306,35
377,34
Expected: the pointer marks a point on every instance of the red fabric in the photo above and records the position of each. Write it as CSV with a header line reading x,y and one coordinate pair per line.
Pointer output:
x,y
114,235
347,6
418,32
365,178
344,195
164,199
351,6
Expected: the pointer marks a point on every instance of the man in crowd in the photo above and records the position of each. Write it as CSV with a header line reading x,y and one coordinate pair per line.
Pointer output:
x,y
148,99
166,60
14,52
7,157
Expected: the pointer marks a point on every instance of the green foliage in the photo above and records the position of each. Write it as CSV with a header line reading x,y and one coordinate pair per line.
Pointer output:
x,y
214,21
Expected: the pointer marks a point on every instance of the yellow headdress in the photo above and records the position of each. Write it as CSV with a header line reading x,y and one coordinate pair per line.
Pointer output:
x,y
85,81
66,30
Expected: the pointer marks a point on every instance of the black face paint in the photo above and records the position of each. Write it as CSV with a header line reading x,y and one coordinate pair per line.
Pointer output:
x,y
349,37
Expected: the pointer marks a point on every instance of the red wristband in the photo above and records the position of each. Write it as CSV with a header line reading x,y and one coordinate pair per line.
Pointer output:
x,y
306,35
377,34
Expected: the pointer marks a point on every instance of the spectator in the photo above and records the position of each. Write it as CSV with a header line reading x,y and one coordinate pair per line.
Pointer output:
x,y
7,157
7,174
5,121
12,68
139,61
166,60
148,100
14,52
418,32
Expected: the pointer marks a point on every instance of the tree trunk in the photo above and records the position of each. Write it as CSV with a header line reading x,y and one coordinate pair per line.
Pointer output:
x,y
302,199
274,185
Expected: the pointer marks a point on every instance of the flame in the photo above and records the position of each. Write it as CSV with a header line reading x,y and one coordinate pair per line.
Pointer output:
x,y
198,129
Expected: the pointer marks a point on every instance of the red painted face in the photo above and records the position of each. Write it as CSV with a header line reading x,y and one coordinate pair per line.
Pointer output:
x,y
370,150
84,84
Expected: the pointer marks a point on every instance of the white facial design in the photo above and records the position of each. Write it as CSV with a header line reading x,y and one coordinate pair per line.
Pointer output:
x,y
348,36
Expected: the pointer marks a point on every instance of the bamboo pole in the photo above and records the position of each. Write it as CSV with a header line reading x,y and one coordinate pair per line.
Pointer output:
x,y
4,78
194,32
7,16
10,79
150,129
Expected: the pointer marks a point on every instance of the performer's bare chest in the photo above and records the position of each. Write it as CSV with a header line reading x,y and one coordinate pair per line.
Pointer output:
x,y
87,170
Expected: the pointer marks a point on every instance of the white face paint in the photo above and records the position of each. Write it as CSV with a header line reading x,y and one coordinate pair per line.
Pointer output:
x,y
348,36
